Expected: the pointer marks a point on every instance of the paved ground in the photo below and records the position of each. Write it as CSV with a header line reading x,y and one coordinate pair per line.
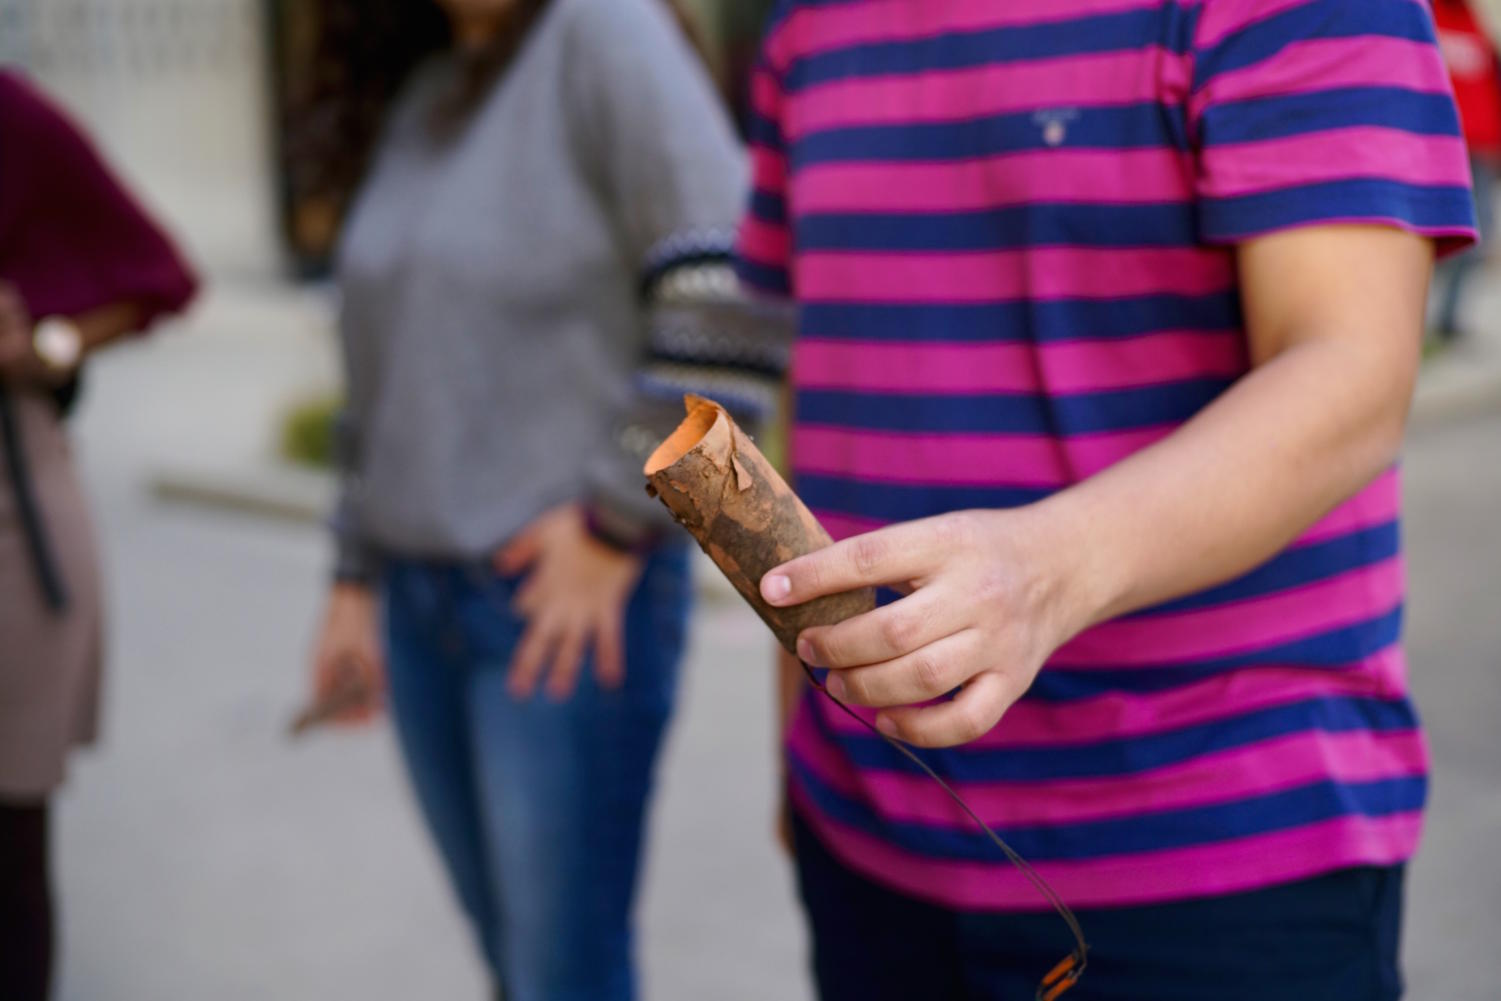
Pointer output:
x,y
202,856
1454,544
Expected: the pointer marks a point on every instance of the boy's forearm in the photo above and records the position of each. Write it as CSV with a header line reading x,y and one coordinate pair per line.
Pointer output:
x,y
1333,320
1237,484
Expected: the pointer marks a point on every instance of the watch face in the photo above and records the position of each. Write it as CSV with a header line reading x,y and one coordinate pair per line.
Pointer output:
x,y
57,342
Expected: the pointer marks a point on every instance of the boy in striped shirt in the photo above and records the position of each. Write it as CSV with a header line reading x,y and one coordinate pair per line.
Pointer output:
x,y
1110,313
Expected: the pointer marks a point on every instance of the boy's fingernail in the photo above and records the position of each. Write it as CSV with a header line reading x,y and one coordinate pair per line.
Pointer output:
x,y
805,652
775,587
886,726
835,684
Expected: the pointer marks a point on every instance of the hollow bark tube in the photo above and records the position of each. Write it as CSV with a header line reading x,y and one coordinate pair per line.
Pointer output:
x,y
720,487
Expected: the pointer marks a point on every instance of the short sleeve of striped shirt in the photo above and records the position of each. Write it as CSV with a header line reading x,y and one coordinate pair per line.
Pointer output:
x,y
1324,111
764,252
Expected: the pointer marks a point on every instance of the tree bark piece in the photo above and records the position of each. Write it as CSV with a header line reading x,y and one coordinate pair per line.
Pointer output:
x,y
720,487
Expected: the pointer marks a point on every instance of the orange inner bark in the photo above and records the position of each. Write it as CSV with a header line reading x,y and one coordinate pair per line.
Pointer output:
x,y
682,441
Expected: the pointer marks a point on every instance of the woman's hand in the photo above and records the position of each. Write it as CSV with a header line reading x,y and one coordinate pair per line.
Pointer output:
x,y
992,596
348,670
19,364
573,598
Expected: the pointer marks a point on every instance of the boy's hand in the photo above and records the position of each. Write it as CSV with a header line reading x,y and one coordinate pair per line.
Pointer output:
x,y
19,364
993,594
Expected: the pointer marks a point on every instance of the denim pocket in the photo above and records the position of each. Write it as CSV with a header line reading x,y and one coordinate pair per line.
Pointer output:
x,y
657,626
492,629
669,584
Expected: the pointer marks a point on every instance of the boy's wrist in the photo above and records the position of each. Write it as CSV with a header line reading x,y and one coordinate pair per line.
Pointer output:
x,y
1086,575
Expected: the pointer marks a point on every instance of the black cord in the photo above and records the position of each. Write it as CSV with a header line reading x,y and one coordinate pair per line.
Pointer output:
x,y
1079,959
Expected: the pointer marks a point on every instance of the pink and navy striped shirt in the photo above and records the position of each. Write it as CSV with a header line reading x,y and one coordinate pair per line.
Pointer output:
x,y
1010,228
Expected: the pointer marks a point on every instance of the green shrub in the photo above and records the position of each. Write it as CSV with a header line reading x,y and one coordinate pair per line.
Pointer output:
x,y
307,431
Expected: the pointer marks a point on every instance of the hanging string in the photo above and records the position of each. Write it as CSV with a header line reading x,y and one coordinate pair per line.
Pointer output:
x,y
1068,971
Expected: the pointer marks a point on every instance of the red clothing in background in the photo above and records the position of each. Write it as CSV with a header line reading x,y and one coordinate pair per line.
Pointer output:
x,y
71,238
1471,60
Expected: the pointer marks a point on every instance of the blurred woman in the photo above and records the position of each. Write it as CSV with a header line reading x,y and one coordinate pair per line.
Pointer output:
x,y
548,206
80,265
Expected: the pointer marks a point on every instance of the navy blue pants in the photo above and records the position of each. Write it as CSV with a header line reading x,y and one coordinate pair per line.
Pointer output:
x,y
1332,938
537,807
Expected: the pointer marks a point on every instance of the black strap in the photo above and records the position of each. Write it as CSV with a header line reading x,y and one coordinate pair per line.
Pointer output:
x,y
47,572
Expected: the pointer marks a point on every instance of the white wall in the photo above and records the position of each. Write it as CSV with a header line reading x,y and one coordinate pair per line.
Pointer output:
x,y
175,92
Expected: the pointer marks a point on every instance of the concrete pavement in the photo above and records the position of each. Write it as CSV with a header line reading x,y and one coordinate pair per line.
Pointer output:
x,y
1453,540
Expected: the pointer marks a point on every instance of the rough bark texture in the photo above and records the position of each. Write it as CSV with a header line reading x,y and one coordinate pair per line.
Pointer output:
x,y
720,487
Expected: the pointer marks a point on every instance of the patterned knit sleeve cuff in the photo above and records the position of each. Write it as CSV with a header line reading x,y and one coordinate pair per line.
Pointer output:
x,y
356,560
355,563
705,335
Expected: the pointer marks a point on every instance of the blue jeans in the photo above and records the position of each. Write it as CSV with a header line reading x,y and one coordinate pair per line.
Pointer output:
x,y
537,807
1330,937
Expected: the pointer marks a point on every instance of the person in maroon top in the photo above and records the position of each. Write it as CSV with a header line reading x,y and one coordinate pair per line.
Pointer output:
x,y
80,265
1471,59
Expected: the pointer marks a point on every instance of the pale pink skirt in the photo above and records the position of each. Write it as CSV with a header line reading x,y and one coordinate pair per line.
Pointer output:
x,y
49,661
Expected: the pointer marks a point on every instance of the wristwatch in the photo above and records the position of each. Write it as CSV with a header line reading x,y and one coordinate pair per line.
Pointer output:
x,y
58,342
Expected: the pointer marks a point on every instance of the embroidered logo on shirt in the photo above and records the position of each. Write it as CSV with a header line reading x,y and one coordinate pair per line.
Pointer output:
x,y
1054,123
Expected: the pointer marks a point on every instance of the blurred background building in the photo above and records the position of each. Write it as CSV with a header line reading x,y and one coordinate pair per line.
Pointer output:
x,y
189,96
176,91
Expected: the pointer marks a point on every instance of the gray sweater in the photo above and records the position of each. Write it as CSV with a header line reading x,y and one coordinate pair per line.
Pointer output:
x,y
493,317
